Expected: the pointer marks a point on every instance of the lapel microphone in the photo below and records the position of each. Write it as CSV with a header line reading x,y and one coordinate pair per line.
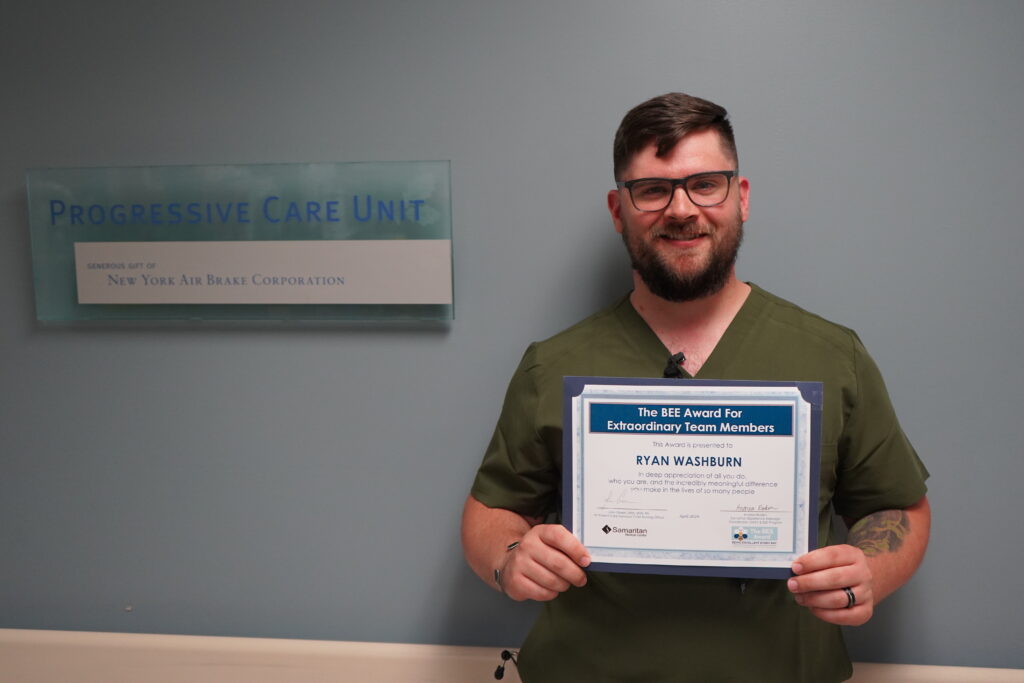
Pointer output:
x,y
674,369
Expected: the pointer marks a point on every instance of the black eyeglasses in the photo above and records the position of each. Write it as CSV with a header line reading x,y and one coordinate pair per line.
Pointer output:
x,y
703,189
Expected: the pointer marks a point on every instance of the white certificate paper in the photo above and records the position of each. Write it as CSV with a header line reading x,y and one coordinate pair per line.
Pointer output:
x,y
700,477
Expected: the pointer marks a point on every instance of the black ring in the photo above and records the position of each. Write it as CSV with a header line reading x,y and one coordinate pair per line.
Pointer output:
x,y
851,599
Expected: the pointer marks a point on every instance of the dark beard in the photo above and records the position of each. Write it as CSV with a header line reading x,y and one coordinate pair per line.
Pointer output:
x,y
671,286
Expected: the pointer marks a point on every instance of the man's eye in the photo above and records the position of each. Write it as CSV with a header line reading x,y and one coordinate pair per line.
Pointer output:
x,y
705,185
651,191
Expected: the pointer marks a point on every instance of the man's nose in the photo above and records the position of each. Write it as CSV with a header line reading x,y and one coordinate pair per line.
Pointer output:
x,y
680,207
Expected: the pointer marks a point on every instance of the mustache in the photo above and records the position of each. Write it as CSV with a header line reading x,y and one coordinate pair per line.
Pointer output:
x,y
685,231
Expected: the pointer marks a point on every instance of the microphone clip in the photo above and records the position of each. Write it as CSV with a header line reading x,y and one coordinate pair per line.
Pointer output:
x,y
674,369
506,655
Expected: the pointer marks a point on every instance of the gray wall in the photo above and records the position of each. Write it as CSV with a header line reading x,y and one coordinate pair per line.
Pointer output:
x,y
307,482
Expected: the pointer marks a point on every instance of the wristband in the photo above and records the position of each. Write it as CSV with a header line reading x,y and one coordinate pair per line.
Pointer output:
x,y
497,572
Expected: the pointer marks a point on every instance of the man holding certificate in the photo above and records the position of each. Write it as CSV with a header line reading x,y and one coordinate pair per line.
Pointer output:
x,y
704,503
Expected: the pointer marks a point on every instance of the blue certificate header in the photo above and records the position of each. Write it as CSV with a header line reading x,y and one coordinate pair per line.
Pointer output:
x,y
658,418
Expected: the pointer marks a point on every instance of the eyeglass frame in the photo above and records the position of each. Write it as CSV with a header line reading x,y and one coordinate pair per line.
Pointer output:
x,y
679,182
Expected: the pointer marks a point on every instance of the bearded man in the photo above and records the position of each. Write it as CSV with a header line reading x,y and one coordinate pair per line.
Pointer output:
x,y
680,204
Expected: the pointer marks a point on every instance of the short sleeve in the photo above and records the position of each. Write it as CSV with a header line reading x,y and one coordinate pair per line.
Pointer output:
x,y
518,472
878,467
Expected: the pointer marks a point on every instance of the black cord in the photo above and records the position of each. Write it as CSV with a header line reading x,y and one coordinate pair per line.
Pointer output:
x,y
499,673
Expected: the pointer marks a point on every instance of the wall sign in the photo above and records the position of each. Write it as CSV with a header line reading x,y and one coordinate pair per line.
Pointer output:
x,y
335,241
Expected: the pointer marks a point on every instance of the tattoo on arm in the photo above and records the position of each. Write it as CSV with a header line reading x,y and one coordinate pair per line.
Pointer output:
x,y
880,532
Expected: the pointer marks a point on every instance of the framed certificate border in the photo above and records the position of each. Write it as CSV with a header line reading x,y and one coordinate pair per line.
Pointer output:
x,y
608,551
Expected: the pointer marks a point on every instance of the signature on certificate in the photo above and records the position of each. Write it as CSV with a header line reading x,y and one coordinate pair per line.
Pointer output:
x,y
622,494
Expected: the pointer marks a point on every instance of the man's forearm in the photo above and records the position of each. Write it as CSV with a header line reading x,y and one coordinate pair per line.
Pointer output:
x,y
486,532
894,542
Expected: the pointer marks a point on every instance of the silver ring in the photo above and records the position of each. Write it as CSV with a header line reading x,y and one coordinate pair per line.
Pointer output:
x,y
851,599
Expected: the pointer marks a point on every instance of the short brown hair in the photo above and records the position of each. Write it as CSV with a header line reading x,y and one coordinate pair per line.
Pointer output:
x,y
665,120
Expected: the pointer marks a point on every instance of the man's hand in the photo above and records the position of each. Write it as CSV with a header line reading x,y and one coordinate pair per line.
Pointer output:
x,y
886,548
821,576
546,562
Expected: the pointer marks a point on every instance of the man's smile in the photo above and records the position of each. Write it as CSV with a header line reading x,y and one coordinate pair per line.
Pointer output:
x,y
682,237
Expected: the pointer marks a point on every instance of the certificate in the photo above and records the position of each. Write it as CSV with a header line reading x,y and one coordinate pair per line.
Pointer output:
x,y
699,477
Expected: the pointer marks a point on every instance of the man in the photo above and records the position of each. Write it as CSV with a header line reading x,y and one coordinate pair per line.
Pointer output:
x,y
683,235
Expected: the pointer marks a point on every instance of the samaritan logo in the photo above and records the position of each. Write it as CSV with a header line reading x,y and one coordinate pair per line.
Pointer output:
x,y
632,531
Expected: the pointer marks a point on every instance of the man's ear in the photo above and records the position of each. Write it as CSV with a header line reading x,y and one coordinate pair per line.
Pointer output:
x,y
615,209
744,198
